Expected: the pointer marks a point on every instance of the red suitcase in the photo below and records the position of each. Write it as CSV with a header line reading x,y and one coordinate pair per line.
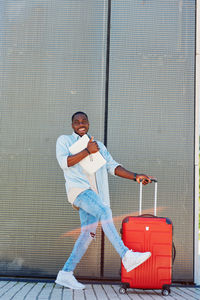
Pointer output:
x,y
154,234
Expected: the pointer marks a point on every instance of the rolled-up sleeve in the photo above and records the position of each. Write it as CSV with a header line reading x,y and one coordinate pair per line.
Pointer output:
x,y
62,152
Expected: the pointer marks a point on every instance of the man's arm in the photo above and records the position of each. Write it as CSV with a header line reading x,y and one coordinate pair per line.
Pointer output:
x,y
76,158
92,147
122,172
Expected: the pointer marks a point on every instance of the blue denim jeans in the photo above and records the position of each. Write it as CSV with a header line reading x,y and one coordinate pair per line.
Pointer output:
x,y
91,211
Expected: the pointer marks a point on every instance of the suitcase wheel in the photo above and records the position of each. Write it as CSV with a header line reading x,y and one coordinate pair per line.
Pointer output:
x,y
122,290
124,287
166,291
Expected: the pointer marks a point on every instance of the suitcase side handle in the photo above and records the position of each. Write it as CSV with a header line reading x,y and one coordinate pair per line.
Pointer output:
x,y
173,253
155,197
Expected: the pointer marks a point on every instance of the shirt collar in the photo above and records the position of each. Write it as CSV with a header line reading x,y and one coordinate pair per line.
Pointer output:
x,y
75,135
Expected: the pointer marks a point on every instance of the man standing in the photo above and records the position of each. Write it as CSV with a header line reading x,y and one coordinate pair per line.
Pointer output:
x,y
90,194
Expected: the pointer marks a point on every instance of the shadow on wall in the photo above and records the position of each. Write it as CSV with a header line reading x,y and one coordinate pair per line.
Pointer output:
x,y
14,268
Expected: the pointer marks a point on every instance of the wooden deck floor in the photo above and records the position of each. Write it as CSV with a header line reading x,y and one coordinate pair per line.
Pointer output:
x,y
17,290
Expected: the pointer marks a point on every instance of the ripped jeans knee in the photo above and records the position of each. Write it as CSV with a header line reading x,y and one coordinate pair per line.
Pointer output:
x,y
93,235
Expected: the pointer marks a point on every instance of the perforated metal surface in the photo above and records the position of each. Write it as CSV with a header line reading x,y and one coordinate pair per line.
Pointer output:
x,y
53,63
151,113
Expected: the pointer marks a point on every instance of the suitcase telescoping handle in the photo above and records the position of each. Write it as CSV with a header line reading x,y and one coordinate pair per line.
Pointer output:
x,y
155,197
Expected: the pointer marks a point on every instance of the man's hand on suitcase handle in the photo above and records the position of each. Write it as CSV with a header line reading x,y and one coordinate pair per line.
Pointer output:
x,y
122,172
144,178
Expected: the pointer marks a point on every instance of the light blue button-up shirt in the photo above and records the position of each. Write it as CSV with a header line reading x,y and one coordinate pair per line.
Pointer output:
x,y
75,177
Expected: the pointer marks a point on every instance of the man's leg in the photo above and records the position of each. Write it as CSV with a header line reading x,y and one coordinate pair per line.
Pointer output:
x,y
65,277
90,202
88,230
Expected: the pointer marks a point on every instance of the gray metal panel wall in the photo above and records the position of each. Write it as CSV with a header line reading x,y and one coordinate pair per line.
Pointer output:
x,y
151,116
52,64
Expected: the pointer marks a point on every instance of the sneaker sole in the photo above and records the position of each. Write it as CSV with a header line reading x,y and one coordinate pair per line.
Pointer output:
x,y
135,266
69,286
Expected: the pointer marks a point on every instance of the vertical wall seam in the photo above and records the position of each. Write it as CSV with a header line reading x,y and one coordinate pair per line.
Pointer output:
x,y
106,116
196,146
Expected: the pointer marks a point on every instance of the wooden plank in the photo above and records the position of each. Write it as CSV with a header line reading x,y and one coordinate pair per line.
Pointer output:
x,y
186,294
79,295
56,293
144,294
3,283
21,294
153,294
89,292
67,294
7,287
177,295
13,291
191,291
46,291
99,292
110,292
35,291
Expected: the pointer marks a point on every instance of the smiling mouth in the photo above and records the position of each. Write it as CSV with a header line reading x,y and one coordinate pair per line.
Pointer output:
x,y
82,130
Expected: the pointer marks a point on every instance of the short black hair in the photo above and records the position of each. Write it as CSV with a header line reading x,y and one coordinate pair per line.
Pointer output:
x,y
79,113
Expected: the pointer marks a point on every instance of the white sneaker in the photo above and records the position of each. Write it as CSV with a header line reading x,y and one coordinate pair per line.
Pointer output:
x,y
132,260
68,280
